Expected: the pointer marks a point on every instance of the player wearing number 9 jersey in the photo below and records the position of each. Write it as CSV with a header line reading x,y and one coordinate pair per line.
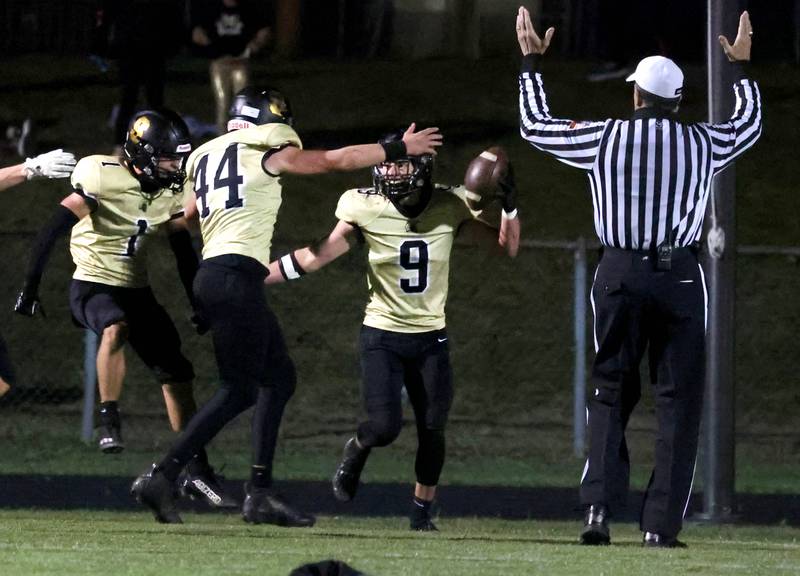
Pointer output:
x,y
234,188
409,226
116,206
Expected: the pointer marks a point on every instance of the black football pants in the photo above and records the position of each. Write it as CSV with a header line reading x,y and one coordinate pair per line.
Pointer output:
x,y
421,363
636,306
254,365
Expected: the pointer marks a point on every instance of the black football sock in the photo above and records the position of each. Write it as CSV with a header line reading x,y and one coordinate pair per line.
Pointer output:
x,y
199,464
109,413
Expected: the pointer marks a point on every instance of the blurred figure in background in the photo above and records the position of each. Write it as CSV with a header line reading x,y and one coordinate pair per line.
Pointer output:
x,y
229,32
140,35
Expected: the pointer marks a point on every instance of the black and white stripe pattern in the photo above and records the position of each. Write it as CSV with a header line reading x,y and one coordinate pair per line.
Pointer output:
x,y
650,176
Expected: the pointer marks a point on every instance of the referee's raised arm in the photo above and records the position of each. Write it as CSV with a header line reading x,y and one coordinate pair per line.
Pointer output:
x,y
571,142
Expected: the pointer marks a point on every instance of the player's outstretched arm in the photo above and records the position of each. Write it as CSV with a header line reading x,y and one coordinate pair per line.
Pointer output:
x,y
478,233
53,164
71,210
180,241
311,258
293,160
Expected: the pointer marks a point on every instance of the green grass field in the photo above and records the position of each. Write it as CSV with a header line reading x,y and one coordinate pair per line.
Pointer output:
x,y
96,543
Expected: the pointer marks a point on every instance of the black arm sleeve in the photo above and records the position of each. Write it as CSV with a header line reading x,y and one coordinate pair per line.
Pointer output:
x,y
62,222
186,258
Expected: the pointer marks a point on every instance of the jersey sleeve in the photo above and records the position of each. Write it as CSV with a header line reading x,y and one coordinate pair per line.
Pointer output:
x,y
277,136
461,210
360,206
86,179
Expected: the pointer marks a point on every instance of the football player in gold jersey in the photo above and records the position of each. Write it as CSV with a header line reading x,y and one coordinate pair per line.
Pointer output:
x,y
53,164
409,226
116,207
234,181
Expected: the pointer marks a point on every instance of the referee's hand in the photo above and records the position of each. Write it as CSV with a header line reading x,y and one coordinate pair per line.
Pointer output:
x,y
740,50
529,41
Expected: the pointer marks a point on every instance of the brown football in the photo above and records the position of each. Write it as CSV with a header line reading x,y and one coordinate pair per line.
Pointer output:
x,y
482,176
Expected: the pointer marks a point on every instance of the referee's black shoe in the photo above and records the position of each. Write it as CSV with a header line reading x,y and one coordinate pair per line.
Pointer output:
x,y
595,527
153,490
264,506
654,540
345,480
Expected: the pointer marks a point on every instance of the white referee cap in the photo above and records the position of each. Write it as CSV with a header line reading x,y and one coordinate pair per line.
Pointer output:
x,y
659,76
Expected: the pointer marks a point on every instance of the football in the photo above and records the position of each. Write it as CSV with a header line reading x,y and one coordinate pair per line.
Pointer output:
x,y
482,177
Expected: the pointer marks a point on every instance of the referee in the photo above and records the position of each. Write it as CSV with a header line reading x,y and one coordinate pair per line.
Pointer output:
x,y
650,178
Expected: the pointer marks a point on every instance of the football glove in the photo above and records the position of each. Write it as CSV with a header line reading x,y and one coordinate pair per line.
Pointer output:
x,y
28,303
53,164
508,190
200,322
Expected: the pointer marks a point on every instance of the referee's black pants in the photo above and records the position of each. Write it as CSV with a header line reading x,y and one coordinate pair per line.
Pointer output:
x,y
636,306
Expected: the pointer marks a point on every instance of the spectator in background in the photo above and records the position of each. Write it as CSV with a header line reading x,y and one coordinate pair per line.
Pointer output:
x,y
229,32
140,35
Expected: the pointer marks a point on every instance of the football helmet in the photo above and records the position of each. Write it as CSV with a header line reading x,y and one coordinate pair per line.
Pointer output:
x,y
256,106
155,135
405,177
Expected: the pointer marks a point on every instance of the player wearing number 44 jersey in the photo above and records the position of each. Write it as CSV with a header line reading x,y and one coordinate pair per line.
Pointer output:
x,y
409,226
116,206
235,188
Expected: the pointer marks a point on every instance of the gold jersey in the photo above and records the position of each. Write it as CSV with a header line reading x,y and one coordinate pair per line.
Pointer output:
x,y
409,259
109,246
236,199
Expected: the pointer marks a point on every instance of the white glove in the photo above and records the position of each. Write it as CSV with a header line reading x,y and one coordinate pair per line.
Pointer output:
x,y
53,164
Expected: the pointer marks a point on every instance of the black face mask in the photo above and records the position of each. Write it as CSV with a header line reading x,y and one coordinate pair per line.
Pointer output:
x,y
413,204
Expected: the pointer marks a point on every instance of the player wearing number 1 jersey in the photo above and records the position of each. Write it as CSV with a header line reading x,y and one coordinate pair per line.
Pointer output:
x,y
408,225
236,192
116,206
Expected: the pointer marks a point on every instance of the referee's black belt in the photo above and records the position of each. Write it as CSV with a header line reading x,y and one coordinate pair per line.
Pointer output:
x,y
660,259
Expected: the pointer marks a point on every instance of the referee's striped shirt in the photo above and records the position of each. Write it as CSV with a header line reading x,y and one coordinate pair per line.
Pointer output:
x,y
650,176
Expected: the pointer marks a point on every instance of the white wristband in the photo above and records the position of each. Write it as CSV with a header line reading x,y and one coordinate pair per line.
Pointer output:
x,y
509,215
288,268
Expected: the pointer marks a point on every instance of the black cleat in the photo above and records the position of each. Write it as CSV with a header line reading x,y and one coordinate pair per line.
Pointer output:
x,y
264,506
206,486
345,480
421,520
109,439
153,490
595,528
654,540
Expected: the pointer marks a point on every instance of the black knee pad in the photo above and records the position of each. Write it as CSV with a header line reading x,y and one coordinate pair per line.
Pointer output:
x,y
283,378
379,431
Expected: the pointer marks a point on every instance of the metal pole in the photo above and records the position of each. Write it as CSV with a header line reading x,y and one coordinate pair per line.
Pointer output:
x,y
579,382
89,384
718,437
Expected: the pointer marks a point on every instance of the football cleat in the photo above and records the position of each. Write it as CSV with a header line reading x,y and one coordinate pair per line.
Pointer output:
x,y
345,480
206,486
109,439
152,489
264,506
421,520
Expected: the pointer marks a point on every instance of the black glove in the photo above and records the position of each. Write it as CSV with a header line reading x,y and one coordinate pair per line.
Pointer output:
x,y
28,302
200,322
508,190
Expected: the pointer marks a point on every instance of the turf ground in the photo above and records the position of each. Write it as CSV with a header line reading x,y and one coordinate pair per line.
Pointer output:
x,y
97,543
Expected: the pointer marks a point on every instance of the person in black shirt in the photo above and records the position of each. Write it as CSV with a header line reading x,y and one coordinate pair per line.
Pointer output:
x,y
229,32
